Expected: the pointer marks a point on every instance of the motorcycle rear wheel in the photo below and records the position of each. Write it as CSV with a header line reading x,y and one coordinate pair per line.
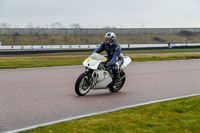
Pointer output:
x,y
121,84
82,85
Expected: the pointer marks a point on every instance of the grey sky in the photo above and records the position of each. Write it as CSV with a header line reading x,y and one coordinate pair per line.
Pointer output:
x,y
100,13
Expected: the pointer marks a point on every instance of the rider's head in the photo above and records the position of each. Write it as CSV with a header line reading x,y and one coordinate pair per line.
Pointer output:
x,y
110,38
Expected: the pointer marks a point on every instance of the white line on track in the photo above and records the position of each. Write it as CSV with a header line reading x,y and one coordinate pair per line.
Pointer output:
x,y
97,113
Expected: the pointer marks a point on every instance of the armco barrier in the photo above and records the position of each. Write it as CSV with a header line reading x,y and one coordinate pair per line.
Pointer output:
x,y
32,47
14,47
79,48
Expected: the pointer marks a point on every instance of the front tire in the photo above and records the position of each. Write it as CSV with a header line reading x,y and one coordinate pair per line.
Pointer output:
x,y
82,85
121,83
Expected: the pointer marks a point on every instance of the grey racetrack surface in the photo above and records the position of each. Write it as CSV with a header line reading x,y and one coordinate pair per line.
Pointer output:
x,y
35,96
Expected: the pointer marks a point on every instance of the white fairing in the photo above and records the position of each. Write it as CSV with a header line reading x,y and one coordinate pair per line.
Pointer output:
x,y
103,77
127,61
93,61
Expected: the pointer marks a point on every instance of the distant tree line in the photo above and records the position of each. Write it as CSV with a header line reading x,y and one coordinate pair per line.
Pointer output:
x,y
52,25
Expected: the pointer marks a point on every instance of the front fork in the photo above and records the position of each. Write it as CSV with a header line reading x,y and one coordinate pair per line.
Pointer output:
x,y
91,74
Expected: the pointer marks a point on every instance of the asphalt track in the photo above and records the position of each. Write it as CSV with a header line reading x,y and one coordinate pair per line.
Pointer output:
x,y
35,96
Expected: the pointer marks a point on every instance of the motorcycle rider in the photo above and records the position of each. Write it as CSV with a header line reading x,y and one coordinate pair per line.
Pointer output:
x,y
114,55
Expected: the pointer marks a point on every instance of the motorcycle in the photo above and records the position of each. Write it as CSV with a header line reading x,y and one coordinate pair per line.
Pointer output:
x,y
98,76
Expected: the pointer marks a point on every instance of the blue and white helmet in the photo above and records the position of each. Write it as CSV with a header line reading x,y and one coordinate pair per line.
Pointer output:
x,y
110,38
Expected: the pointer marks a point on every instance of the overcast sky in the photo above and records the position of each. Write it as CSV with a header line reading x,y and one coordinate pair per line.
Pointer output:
x,y
101,13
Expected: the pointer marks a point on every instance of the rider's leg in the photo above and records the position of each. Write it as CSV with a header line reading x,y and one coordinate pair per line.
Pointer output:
x,y
116,71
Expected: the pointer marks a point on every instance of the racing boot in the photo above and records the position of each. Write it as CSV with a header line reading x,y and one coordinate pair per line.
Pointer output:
x,y
116,80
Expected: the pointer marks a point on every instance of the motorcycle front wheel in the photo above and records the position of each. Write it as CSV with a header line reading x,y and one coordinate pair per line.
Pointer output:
x,y
83,85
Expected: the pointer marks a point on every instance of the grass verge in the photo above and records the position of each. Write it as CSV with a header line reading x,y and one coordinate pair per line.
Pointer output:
x,y
64,60
142,51
40,61
175,116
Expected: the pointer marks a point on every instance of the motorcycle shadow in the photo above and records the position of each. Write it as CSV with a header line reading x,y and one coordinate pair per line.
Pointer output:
x,y
99,93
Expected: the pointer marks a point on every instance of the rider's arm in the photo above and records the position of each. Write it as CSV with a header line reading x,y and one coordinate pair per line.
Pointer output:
x,y
115,56
100,48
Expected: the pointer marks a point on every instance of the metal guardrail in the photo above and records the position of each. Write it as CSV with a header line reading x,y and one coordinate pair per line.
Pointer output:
x,y
48,47
79,48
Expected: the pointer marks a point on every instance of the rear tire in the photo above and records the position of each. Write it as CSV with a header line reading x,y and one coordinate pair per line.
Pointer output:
x,y
82,85
121,83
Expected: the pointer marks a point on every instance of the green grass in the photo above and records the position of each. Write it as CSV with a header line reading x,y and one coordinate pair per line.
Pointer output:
x,y
163,57
40,61
141,51
164,50
64,60
176,116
